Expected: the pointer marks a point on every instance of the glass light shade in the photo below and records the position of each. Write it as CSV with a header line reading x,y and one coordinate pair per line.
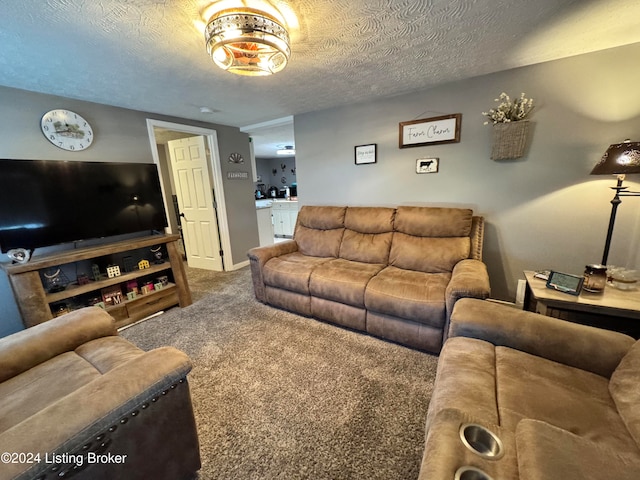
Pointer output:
x,y
246,41
287,150
620,158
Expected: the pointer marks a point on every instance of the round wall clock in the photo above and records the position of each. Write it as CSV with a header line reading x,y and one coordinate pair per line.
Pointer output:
x,y
67,130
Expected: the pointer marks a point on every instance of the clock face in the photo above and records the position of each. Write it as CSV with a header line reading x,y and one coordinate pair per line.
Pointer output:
x,y
67,130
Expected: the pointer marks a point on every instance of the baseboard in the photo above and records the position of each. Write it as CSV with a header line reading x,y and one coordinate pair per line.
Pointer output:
x,y
124,327
520,293
238,266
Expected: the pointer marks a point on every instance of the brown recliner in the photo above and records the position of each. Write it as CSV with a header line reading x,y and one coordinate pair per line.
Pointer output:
x,y
561,398
78,400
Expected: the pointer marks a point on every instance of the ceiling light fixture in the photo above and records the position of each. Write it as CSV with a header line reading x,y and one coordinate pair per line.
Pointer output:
x,y
287,150
247,41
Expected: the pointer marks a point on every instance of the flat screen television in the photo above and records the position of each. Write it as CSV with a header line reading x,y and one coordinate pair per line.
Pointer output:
x,y
49,202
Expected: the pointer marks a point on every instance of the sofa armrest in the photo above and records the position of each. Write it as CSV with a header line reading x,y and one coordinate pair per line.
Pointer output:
x,y
25,349
547,452
263,254
444,451
258,256
468,279
127,391
593,349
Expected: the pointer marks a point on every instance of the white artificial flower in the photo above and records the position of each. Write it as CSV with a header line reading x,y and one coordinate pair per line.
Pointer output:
x,y
508,110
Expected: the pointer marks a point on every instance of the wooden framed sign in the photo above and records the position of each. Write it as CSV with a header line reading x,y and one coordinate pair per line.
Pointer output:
x,y
430,131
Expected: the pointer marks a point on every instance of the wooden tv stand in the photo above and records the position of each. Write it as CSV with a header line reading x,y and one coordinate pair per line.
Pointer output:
x,y
38,305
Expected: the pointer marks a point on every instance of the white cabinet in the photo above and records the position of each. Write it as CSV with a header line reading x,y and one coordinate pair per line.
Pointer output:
x,y
285,214
265,226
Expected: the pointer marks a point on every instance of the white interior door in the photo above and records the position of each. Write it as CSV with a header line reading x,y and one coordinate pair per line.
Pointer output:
x,y
189,164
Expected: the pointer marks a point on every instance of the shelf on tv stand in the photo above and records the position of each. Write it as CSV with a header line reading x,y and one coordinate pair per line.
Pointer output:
x,y
142,306
74,290
34,302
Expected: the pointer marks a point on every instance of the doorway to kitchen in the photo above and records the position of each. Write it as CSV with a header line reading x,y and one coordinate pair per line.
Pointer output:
x,y
276,187
193,191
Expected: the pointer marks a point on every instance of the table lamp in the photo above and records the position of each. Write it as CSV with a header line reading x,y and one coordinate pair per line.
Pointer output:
x,y
619,159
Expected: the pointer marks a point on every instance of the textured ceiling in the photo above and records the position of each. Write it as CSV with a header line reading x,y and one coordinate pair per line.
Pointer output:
x,y
149,55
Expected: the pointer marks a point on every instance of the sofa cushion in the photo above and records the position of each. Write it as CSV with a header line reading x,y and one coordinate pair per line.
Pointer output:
x,y
33,346
319,230
342,280
569,398
547,452
366,247
416,296
321,218
32,391
368,234
434,221
291,271
107,353
318,243
430,239
429,255
625,391
40,386
370,219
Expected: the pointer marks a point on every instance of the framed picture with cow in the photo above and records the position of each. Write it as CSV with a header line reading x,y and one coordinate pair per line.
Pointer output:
x,y
427,165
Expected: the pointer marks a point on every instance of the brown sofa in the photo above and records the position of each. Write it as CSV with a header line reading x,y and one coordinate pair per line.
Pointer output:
x,y
77,400
392,272
562,398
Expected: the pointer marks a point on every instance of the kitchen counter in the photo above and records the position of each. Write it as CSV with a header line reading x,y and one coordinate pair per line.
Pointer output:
x,y
268,202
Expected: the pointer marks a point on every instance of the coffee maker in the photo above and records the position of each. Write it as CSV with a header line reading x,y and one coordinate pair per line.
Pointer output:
x,y
260,191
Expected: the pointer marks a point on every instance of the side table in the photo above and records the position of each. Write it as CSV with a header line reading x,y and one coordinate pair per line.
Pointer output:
x,y
613,309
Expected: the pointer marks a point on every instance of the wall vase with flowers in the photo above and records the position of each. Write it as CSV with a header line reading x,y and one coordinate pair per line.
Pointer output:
x,y
510,126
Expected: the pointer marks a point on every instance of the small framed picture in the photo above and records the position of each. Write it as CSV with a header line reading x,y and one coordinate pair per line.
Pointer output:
x,y
365,154
427,165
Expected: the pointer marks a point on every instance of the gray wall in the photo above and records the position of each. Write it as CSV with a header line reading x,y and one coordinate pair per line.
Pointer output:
x,y
120,136
238,194
543,211
265,167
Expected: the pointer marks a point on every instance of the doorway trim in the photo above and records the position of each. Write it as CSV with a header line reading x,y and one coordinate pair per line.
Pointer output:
x,y
216,172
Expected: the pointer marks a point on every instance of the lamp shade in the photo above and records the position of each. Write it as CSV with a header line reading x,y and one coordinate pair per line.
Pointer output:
x,y
620,158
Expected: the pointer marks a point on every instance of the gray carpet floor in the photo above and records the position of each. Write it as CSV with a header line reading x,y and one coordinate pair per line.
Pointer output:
x,y
282,396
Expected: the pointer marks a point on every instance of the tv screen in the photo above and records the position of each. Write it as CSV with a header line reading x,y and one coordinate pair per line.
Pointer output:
x,y
48,202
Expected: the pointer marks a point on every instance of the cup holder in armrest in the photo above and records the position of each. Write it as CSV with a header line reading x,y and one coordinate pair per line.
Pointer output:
x,y
481,441
471,473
